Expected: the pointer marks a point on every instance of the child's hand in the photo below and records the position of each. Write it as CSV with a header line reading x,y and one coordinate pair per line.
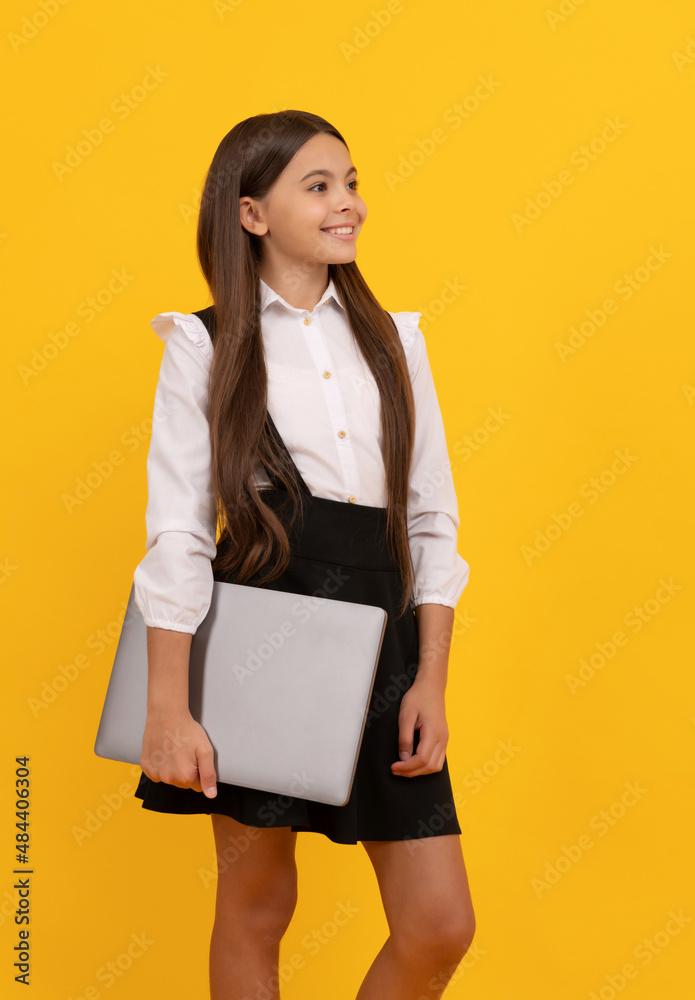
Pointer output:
x,y
422,708
176,749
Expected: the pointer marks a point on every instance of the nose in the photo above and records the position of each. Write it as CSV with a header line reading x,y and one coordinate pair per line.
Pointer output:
x,y
349,205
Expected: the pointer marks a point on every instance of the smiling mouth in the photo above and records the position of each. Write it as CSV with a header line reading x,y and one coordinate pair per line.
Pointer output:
x,y
339,230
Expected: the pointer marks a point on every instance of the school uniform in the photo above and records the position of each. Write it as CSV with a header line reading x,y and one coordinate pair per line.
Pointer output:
x,y
324,414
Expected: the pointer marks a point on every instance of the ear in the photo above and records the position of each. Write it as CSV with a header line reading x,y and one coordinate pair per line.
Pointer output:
x,y
252,216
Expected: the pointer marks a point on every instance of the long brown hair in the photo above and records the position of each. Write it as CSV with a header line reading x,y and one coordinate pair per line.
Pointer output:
x,y
247,162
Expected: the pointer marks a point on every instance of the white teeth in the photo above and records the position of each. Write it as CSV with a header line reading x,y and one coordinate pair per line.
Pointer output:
x,y
342,230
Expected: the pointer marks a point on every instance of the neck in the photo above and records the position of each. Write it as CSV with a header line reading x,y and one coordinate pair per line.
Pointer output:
x,y
305,295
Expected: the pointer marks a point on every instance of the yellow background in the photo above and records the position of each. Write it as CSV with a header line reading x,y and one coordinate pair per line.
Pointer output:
x,y
523,624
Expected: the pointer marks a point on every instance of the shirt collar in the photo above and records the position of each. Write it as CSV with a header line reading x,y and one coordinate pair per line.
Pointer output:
x,y
268,295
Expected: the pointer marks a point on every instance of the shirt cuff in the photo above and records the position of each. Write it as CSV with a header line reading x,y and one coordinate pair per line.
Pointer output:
x,y
170,626
433,599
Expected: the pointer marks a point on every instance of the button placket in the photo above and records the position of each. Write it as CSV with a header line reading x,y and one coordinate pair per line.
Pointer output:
x,y
335,404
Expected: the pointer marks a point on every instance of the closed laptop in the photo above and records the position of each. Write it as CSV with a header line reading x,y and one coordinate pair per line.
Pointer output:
x,y
280,682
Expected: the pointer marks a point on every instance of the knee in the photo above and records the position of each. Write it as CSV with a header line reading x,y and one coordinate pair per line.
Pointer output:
x,y
262,914
271,912
269,921
457,935
444,937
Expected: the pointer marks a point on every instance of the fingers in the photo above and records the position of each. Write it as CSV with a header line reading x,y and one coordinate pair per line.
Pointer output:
x,y
419,715
148,769
406,732
418,764
182,775
188,764
165,749
206,772
429,757
405,740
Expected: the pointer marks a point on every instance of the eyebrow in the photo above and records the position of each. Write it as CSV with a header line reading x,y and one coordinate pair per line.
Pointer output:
x,y
325,173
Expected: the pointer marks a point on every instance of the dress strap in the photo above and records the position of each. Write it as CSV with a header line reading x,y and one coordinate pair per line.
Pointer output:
x,y
207,316
281,448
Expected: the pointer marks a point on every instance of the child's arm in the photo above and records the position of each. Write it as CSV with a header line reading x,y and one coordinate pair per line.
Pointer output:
x,y
441,574
175,748
435,625
173,583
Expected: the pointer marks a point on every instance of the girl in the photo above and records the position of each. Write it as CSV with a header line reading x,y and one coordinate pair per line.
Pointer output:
x,y
303,418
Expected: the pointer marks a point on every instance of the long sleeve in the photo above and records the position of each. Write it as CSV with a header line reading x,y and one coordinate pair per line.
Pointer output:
x,y
173,582
441,574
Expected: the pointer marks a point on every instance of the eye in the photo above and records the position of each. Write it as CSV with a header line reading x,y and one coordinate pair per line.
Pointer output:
x,y
323,184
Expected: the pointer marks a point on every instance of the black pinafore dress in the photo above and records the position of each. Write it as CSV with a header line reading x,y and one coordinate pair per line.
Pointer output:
x,y
338,542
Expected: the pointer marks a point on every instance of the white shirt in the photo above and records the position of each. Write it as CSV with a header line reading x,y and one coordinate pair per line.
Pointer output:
x,y
325,403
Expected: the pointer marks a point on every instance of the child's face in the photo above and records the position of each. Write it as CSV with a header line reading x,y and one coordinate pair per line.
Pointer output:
x,y
293,215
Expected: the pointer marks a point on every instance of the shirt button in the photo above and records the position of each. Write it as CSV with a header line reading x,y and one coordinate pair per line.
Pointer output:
x,y
341,434
352,499
326,374
307,320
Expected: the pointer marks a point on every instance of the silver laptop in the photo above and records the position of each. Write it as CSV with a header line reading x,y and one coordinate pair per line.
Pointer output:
x,y
280,682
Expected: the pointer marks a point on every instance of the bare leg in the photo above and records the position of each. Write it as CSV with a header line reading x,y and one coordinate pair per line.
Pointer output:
x,y
427,902
256,897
